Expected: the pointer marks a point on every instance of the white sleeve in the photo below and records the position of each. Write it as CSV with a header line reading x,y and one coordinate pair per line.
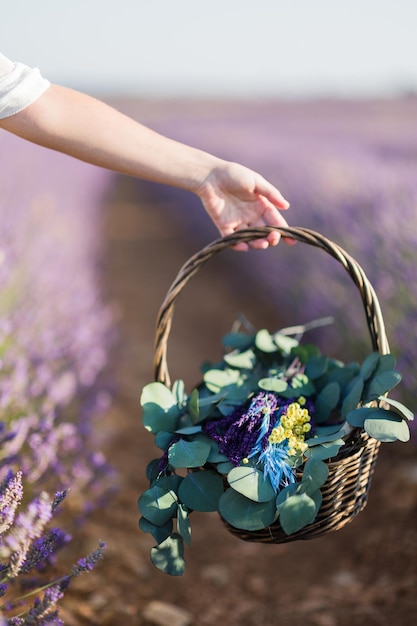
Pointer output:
x,y
20,85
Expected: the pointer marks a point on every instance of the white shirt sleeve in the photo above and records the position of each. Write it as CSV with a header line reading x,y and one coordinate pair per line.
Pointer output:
x,y
20,85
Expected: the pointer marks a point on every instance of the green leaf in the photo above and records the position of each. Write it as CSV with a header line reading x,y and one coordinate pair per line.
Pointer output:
x,y
183,523
155,419
265,342
168,482
251,483
241,360
387,426
327,400
238,341
201,490
163,439
314,475
189,430
386,363
284,342
273,384
353,397
158,505
327,435
224,468
217,380
246,514
193,406
159,394
325,450
398,407
369,365
286,492
381,384
152,470
178,391
316,367
297,511
169,555
188,453
300,386
159,533
358,416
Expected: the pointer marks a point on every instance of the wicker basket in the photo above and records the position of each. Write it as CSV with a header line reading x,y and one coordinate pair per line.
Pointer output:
x,y
345,492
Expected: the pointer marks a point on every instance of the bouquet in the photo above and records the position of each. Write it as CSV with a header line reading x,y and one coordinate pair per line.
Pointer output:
x,y
255,439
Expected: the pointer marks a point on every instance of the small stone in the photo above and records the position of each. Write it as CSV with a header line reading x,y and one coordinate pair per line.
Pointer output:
x,y
164,614
217,574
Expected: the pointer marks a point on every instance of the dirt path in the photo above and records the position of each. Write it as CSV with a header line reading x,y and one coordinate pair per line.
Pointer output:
x,y
365,574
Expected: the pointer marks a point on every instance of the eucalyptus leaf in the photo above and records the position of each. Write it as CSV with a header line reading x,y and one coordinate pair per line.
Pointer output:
x,y
286,492
188,453
246,514
265,342
387,426
241,360
159,394
381,384
152,470
217,380
358,416
386,363
326,401
155,418
398,407
178,391
316,367
201,490
369,365
159,533
163,439
158,505
325,450
193,406
300,386
273,384
239,341
224,467
168,556
296,512
353,397
251,483
168,482
189,430
183,523
314,475
284,342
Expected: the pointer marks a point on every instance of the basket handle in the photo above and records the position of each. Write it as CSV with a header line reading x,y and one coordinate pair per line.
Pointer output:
x,y
369,299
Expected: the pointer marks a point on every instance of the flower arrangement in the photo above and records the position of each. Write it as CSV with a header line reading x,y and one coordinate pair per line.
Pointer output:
x,y
254,439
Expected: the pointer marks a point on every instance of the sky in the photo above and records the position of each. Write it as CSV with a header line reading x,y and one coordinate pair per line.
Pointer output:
x,y
220,48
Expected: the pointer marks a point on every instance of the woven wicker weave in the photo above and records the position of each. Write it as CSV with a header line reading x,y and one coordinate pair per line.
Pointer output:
x,y
345,492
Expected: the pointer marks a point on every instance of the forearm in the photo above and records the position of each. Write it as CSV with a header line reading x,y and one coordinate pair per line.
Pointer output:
x,y
87,129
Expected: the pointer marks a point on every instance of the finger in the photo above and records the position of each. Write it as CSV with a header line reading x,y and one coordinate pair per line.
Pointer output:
x,y
271,193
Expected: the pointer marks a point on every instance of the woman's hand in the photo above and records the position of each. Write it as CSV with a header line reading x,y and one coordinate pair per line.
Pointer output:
x,y
236,198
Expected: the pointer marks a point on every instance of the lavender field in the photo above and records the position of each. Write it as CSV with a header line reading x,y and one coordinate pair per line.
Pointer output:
x,y
349,170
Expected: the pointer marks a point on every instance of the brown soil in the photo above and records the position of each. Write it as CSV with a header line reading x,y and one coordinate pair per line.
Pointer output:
x,y
364,574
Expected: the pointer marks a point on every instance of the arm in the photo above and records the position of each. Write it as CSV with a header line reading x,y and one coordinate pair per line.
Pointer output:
x,y
83,127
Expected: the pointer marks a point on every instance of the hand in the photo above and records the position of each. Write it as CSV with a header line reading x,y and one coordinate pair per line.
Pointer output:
x,y
236,198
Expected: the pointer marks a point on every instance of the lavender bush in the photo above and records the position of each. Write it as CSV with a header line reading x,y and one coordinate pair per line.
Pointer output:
x,y
54,338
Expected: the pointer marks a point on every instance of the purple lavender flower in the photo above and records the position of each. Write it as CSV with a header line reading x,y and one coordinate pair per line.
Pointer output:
x,y
86,564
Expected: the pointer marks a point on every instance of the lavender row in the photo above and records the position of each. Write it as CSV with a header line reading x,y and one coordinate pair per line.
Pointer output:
x,y
55,332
